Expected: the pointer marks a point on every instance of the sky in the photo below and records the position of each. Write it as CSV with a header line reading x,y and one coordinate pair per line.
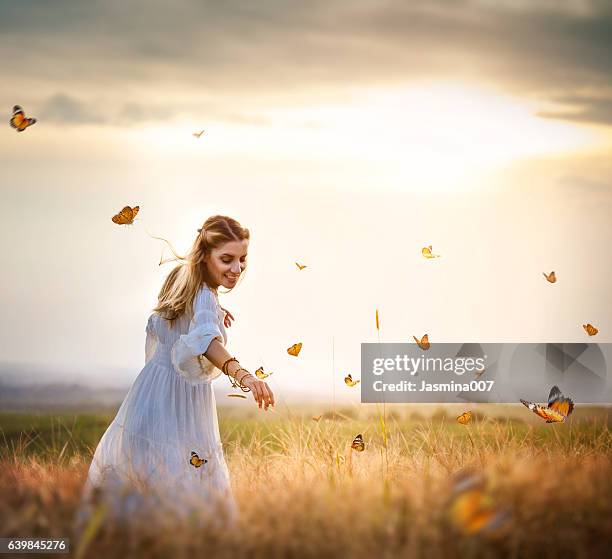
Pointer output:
x,y
343,135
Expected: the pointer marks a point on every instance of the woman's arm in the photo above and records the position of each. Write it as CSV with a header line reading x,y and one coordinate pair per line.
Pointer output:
x,y
217,355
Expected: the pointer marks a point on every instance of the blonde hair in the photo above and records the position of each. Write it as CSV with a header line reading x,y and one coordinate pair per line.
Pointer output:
x,y
184,281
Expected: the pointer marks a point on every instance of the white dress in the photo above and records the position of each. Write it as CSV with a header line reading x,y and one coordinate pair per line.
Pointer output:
x,y
168,413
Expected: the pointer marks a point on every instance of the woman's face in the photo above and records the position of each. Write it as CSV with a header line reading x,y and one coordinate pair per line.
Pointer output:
x,y
227,262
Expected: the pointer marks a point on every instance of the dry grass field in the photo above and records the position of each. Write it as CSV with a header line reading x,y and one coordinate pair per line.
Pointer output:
x,y
543,490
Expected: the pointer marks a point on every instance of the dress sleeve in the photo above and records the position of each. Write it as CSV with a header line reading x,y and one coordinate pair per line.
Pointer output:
x,y
187,356
151,340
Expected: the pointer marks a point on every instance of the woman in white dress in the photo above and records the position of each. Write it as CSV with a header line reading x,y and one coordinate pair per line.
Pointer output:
x,y
162,452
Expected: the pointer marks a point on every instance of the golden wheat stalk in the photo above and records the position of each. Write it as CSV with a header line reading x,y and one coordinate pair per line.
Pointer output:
x,y
384,453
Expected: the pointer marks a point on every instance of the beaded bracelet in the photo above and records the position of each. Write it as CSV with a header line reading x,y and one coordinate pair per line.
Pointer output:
x,y
235,384
238,383
247,374
226,363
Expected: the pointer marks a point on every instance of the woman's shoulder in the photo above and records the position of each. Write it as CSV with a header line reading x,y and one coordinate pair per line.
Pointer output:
x,y
151,320
205,288
207,296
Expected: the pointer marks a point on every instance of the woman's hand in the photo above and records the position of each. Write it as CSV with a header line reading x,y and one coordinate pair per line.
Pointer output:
x,y
227,320
261,391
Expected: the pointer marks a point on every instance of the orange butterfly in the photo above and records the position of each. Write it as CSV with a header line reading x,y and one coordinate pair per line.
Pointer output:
x,y
295,349
471,509
552,278
590,329
377,322
423,343
198,134
259,373
300,266
358,443
317,417
348,380
236,396
126,216
426,252
465,418
558,409
196,461
19,120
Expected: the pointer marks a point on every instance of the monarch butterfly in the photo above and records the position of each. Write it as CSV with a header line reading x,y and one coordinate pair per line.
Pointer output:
x,y
423,343
126,216
236,396
426,252
19,120
196,461
552,278
300,266
465,418
260,373
198,134
348,380
590,329
295,349
358,443
558,409
317,417
470,508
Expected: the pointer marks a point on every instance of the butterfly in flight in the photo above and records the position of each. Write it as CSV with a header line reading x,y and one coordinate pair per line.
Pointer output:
x,y
426,252
19,121
590,329
465,418
558,409
423,343
358,443
300,266
126,216
552,278
196,461
199,134
471,509
317,417
295,349
259,373
348,380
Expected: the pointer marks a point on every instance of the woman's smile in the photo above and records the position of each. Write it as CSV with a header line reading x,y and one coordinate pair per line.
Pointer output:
x,y
227,263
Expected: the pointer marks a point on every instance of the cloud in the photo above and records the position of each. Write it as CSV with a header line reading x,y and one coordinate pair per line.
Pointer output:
x,y
232,53
596,110
584,185
65,109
